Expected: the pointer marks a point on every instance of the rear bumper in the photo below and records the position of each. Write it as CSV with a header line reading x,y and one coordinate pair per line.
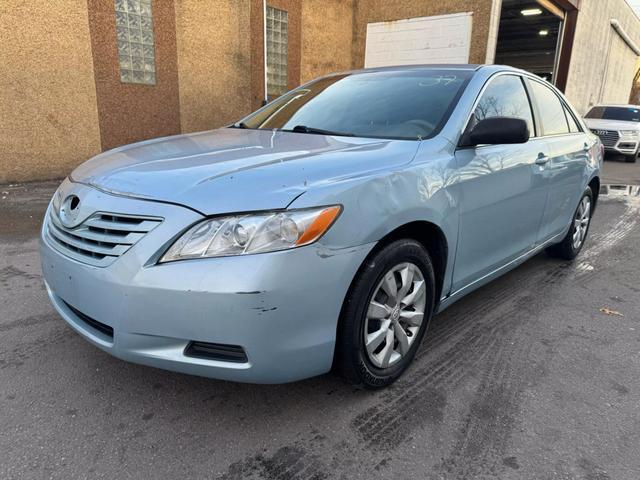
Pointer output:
x,y
282,308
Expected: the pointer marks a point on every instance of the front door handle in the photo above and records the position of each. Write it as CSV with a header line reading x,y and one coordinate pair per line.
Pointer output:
x,y
542,159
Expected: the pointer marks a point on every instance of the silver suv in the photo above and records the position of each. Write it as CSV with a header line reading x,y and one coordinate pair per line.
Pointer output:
x,y
618,127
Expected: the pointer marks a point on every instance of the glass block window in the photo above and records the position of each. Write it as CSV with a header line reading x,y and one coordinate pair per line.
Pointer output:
x,y
134,32
277,46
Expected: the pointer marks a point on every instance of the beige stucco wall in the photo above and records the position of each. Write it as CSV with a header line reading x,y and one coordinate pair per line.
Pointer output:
x,y
48,114
214,62
334,31
327,30
369,11
602,65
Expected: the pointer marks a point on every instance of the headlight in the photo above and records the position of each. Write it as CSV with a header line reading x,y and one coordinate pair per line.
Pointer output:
x,y
630,133
252,233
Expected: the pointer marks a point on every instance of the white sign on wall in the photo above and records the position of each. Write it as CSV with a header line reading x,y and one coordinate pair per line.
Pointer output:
x,y
438,39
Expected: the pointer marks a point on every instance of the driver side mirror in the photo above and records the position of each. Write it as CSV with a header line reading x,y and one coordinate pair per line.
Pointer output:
x,y
496,131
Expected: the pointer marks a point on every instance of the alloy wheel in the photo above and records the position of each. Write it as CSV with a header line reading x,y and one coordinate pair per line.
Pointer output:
x,y
581,222
394,315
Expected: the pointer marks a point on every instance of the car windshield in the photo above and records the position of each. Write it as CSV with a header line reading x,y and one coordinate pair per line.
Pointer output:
x,y
629,114
411,104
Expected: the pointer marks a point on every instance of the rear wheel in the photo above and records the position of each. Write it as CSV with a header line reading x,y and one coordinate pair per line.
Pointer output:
x,y
386,314
572,243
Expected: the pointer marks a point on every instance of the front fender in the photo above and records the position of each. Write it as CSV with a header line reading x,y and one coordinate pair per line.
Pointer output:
x,y
375,206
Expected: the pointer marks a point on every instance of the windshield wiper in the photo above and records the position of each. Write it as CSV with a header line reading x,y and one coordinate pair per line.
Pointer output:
x,y
239,125
318,131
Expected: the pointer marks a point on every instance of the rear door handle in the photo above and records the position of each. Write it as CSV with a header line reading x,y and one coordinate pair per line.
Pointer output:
x,y
542,159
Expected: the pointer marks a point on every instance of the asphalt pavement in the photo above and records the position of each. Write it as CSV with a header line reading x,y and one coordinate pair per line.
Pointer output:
x,y
534,376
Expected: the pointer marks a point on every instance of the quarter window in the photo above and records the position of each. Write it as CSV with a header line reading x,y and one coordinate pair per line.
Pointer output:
x,y
573,125
277,46
134,33
551,111
505,96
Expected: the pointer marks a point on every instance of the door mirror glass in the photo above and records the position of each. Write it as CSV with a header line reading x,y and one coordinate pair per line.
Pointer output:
x,y
498,130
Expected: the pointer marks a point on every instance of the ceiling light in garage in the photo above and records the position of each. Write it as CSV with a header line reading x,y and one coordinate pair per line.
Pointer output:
x,y
544,32
531,11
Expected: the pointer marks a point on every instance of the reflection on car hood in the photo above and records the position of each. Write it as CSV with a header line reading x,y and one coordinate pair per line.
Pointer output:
x,y
604,124
232,170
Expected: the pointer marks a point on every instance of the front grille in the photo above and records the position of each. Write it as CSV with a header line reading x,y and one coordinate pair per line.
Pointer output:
x,y
96,325
101,238
216,351
609,138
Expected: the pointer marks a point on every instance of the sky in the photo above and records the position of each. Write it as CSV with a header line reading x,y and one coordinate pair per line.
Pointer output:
x,y
635,4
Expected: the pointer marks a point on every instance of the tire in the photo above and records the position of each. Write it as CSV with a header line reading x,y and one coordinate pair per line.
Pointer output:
x,y
380,365
568,249
630,158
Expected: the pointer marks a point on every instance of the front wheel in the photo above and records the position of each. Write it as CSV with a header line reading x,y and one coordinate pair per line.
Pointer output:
x,y
572,243
386,314
630,158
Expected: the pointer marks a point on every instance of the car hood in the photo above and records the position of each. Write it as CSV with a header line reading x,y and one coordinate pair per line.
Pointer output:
x,y
233,170
604,124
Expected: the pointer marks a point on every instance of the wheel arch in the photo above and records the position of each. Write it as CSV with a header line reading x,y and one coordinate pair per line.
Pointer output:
x,y
431,237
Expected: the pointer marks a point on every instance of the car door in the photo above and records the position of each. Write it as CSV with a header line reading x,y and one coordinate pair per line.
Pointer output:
x,y
567,156
501,188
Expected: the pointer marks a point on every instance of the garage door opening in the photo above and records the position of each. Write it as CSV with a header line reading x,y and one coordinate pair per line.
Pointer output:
x,y
529,37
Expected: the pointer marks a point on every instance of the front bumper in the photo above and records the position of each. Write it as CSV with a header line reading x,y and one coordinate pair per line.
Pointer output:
x,y
625,147
282,308
613,141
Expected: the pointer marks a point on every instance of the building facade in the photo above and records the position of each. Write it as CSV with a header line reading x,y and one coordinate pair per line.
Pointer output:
x,y
82,76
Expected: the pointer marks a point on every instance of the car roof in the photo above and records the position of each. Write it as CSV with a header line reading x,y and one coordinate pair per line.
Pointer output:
x,y
468,67
417,67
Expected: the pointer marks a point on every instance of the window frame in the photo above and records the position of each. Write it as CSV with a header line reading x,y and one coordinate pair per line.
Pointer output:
x,y
150,59
272,95
565,108
486,84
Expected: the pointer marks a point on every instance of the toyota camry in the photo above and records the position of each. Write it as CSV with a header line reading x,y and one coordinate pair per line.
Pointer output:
x,y
323,230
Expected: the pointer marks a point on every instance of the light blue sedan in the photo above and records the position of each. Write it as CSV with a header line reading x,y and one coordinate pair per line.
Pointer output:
x,y
323,230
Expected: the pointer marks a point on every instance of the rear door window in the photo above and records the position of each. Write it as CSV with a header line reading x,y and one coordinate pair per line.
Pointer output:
x,y
550,110
505,96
